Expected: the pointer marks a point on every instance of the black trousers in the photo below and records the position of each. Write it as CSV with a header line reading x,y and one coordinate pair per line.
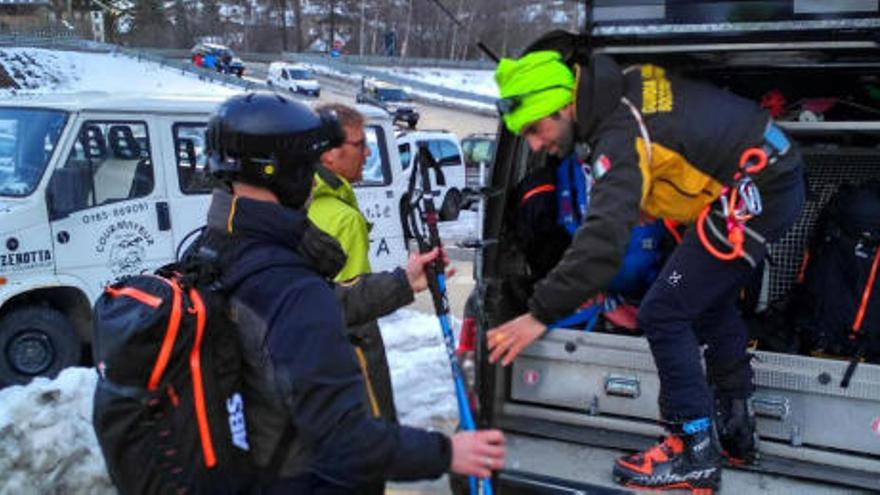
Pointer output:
x,y
694,299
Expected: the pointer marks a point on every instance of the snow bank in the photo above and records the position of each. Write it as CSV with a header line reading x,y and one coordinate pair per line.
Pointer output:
x,y
47,444
420,373
41,71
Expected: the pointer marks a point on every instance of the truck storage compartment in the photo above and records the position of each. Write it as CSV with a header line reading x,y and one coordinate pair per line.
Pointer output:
x,y
609,382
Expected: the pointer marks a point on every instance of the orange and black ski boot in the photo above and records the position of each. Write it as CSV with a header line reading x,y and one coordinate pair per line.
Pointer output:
x,y
687,459
735,421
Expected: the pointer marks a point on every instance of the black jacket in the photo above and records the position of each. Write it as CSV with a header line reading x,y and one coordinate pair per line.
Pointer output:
x,y
695,136
305,390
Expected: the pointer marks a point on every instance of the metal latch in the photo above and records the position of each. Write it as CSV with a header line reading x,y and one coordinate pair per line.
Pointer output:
x,y
623,386
772,407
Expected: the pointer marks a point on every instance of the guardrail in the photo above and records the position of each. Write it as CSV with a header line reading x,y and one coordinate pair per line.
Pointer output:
x,y
413,62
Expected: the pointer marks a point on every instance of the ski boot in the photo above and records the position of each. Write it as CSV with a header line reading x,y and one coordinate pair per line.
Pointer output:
x,y
688,458
735,421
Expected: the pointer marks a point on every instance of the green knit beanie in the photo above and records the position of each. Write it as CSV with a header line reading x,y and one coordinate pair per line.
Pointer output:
x,y
528,76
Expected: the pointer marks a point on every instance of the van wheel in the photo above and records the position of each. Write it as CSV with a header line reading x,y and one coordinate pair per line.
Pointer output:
x,y
36,341
451,206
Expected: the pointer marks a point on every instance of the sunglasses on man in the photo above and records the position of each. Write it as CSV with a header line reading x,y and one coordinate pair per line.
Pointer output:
x,y
509,104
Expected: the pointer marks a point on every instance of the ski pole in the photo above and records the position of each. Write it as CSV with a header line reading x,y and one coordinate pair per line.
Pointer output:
x,y
424,227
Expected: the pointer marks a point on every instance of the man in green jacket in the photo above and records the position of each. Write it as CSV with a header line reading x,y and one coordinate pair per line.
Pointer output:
x,y
334,209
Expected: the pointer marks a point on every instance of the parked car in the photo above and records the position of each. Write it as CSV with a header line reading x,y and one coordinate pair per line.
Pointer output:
x,y
393,99
446,150
217,57
574,400
294,78
104,187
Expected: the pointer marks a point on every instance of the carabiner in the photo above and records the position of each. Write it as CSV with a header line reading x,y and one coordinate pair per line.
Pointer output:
x,y
753,155
750,196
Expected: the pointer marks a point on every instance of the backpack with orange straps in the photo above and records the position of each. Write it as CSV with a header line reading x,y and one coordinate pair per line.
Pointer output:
x,y
169,405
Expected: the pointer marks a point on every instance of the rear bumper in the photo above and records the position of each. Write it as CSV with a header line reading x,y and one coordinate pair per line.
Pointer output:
x,y
511,482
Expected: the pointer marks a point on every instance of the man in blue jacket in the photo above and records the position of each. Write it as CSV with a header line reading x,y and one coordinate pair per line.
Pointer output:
x,y
307,422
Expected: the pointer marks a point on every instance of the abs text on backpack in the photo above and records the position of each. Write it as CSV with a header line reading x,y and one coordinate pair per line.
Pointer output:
x,y
169,410
840,291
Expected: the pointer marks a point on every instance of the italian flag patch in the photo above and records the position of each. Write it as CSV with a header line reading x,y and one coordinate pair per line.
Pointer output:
x,y
601,166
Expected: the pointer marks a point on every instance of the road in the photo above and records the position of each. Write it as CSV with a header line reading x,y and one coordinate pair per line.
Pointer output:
x,y
433,116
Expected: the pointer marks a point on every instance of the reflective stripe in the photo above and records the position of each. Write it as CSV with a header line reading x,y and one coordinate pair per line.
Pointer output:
x,y
537,190
371,396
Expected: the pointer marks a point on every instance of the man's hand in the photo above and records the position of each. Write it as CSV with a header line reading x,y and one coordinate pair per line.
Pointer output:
x,y
508,340
477,453
415,268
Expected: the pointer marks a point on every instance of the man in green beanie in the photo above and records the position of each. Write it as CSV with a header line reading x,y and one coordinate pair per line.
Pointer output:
x,y
660,146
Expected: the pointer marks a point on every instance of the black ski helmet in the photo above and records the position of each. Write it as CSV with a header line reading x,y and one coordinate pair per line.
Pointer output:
x,y
271,141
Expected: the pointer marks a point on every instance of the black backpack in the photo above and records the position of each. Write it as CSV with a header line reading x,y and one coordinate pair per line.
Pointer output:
x,y
839,294
169,404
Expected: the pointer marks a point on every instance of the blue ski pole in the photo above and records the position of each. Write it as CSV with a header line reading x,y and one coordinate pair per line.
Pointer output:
x,y
423,223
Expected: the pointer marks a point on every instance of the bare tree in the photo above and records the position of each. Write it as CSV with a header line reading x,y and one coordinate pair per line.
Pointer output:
x,y
405,45
298,24
282,14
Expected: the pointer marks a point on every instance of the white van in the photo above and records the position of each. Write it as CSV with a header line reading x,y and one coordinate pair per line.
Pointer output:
x,y
101,186
294,78
446,150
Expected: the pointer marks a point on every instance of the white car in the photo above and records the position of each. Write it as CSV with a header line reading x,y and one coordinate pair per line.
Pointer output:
x,y
445,147
294,78
100,186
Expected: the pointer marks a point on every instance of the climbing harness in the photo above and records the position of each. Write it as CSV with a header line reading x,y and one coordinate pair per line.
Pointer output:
x,y
739,203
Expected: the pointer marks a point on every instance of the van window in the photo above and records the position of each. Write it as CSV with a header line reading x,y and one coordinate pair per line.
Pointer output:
x,y
109,162
377,169
284,74
405,155
445,152
193,175
27,141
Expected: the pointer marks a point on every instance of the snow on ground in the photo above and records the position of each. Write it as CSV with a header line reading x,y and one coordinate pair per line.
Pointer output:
x,y
420,373
37,70
465,227
47,444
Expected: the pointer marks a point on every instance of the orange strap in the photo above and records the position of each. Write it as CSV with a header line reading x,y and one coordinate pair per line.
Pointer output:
x,y
195,366
536,190
866,295
136,294
170,337
735,237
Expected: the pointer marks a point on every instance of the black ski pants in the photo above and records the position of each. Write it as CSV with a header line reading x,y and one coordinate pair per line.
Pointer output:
x,y
694,299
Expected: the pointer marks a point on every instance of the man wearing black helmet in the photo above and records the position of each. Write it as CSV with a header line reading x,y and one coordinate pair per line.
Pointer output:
x,y
307,424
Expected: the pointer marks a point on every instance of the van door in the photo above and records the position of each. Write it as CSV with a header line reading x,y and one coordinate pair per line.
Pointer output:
x,y
189,181
107,207
378,199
